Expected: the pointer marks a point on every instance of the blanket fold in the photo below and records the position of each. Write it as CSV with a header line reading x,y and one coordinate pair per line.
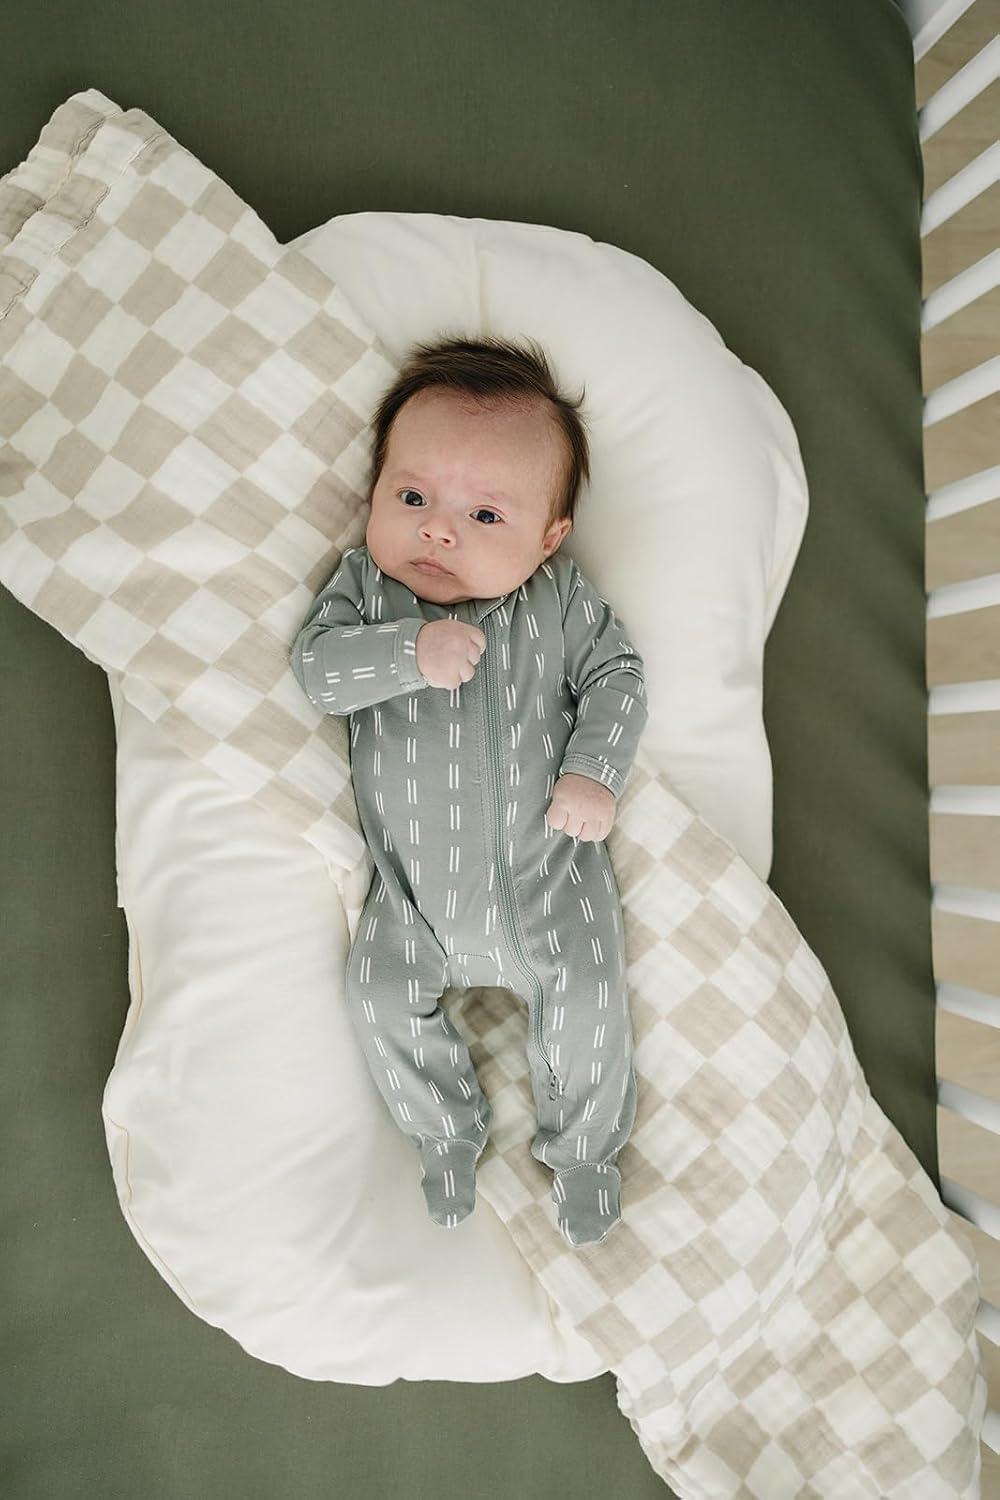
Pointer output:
x,y
787,1306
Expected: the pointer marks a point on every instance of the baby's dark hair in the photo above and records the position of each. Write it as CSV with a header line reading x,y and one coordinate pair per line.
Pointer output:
x,y
493,370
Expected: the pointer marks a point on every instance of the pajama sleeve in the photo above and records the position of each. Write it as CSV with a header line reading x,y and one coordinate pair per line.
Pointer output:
x,y
607,676
343,663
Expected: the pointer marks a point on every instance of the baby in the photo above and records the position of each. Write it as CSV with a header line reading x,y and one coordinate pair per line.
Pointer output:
x,y
496,708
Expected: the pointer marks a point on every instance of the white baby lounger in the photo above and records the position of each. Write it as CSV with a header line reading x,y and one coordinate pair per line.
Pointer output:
x,y
252,1154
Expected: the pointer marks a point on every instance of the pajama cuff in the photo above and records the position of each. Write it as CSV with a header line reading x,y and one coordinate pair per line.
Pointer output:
x,y
598,770
408,673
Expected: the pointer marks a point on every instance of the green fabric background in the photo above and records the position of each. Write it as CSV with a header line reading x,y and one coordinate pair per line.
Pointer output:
x,y
763,156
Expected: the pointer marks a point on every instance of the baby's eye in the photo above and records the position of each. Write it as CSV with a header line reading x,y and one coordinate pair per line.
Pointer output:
x,y
481,510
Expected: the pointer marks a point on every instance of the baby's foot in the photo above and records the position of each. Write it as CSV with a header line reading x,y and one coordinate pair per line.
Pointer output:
x,y
588,1201
449,1181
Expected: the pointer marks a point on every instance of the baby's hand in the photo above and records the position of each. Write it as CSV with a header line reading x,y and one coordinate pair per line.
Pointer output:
x,y
448,652
581,807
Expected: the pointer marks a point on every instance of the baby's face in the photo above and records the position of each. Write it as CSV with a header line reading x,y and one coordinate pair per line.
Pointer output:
x,y
468,485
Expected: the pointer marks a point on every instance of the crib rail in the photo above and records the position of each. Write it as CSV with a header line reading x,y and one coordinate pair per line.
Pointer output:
x,y
968,286
928,20
963,658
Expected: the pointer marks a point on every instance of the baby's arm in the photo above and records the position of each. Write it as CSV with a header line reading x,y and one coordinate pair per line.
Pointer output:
x,y
607,675
341,662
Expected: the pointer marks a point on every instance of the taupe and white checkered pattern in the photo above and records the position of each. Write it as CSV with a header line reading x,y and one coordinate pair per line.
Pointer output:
x,y
787,1306
184,409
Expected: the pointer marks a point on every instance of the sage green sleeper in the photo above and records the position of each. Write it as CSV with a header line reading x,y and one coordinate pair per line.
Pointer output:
x,y
472,885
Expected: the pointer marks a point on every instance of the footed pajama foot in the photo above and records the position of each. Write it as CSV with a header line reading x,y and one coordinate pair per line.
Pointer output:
x,y
588,1200
449,1181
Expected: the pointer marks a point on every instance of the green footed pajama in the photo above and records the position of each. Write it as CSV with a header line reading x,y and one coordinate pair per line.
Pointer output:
x,y
472,885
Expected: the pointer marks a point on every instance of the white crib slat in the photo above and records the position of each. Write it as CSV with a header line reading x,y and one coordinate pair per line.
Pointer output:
x,y
978,1109
971,1206
974,1005
967,801
981,697
963,494
928,20
964,86
974,178
974,282
988,1321
990,1433
967,901
960,598
964,390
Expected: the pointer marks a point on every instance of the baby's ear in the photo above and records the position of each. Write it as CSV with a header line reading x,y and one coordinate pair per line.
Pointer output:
x,y
559,532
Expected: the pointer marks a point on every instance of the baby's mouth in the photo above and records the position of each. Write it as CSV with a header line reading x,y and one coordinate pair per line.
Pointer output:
x,y
430,565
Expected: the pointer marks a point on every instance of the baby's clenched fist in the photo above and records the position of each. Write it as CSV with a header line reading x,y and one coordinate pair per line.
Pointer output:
x,y
448,652
581,808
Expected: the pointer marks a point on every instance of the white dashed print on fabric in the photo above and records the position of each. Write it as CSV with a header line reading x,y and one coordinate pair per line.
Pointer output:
x,y
472,885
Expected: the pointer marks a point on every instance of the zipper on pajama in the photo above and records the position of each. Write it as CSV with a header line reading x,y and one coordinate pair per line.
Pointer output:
x,y
504,877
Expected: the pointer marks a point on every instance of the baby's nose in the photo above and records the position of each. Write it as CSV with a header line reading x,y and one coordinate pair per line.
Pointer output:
x,y
439,530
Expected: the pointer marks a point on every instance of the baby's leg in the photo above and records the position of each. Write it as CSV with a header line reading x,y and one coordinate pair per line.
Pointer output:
x,y
587,1115
582,1126
396,974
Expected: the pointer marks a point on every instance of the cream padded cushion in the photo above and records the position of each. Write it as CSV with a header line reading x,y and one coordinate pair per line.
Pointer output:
x,y
303,1232
698,498
254,1159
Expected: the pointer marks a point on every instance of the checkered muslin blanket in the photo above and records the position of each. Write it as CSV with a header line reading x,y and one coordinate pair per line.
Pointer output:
x,y
787,1306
